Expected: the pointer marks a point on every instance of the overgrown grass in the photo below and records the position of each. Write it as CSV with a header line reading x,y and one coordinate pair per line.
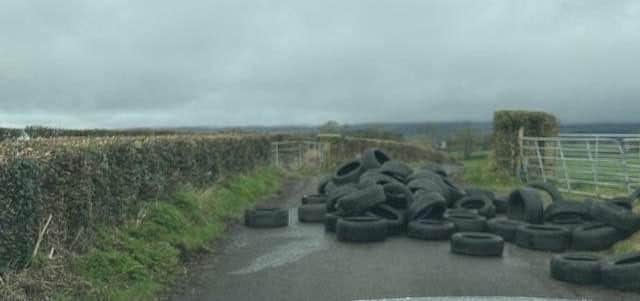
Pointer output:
x,y
138,259
479,171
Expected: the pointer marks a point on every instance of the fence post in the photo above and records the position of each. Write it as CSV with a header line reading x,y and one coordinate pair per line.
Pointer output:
x,y
544,177
520,151
594,170
624,165
277,159
564,166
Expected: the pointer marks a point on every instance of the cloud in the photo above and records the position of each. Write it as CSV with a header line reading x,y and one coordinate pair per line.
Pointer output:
x,y
164,63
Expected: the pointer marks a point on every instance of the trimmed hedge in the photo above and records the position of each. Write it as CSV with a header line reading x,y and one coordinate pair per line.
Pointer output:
x,y
506,125
83,183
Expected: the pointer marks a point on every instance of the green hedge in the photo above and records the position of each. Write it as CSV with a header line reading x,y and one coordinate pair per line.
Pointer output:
x,y
83,183
506,125
347,148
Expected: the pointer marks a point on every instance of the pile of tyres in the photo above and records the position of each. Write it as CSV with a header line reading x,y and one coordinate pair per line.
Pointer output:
x,y
374,197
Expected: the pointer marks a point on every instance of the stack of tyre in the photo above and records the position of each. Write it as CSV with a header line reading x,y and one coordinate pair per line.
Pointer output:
x,y
374,197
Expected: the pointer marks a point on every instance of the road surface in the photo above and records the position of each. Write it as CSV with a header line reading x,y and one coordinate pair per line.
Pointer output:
x,y
302,262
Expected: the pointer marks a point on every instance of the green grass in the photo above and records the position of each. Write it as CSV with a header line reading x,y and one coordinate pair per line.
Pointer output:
x,y
479,171
141,257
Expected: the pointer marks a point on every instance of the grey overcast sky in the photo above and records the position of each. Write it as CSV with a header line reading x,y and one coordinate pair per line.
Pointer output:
x,y
78,63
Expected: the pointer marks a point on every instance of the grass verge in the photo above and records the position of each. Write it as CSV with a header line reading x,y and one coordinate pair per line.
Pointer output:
x,y
140,258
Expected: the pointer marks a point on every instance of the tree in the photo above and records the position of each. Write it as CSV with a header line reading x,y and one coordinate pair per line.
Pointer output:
x,y
332,127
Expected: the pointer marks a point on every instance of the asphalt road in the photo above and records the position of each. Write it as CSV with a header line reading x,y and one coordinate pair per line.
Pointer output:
x,y
302,262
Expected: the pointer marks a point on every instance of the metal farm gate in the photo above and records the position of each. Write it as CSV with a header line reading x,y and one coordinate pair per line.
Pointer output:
x,y
300,154
590,164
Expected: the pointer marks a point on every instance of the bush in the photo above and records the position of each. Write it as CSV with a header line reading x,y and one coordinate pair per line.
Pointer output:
x,y
506,125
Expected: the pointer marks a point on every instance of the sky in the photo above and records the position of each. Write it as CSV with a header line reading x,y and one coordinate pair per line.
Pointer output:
x,y
117,63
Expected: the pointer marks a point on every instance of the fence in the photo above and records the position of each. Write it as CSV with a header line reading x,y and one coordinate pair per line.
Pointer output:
x,y
299,154
590,164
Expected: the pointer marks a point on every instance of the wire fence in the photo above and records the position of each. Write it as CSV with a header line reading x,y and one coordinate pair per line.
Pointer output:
x,y
590,164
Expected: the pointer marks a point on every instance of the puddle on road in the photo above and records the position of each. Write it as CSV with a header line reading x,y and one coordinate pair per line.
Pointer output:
x,y
307,239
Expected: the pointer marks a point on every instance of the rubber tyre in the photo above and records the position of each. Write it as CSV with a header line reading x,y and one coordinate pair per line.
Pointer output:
x,y
468,222
474,191
357,202
374,158
397,170
330,222
336,194
525,205
266,217
481,203
505,228
348,172
549,188
361,229
616,216
501,204
569,223
427,185
375,177
595,237
398,195
314,199
623,202
567,209
453,211
621,272
424,174
543,238
427,205
396,219
454,192
578,268
322,185
431,229
312,213
477,244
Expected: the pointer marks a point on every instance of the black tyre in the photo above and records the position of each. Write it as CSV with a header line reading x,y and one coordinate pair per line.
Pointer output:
x,y
396,219
474,191
426,185
322,185
358,201
595,237
505,228
397,170
453,211
348,173
314,199
336,194
375,177
312,213
481,203
621,272
567,209
569,223
468,222
266,217
549,188
398,195
543,238
431,229
361,229
374,158
477,244
620,218
330,222
501,204
635,196
454,192
424,174
525,205
427,205
623,202
578,268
